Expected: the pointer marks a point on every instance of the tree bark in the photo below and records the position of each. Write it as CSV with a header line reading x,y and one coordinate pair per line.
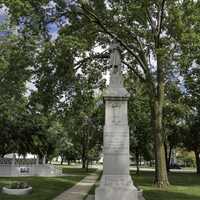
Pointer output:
x,y
166,157
161,177
69,162
62,159
83,157
83,163
169,157
197,154
87,165
137,161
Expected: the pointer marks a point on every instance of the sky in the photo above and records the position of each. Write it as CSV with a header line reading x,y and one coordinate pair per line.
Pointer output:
x,y
3,12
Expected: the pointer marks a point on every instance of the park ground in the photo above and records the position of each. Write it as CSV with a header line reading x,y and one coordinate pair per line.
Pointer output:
x,y
184,186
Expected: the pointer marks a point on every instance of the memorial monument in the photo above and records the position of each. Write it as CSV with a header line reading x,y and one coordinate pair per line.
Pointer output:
x,y
116,182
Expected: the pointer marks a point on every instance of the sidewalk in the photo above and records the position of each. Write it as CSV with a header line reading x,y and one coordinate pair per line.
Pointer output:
x,y
80,190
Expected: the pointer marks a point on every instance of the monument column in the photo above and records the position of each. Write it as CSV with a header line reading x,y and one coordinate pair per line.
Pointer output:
x,y
116,182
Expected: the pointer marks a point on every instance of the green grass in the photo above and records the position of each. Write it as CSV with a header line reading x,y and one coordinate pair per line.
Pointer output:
x,y
77,171
184,186
45,188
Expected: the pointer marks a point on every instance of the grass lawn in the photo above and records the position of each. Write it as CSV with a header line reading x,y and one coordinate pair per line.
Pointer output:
x,y
184,186
77,171
46,188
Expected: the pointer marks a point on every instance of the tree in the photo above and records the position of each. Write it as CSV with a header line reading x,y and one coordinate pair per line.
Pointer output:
x,y
192,138
141,141
151,34
142,38
18,126
83,119
174,111
192,99
21,132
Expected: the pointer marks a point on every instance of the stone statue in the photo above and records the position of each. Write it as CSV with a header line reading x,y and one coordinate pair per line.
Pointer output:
x,y
115,57
115,63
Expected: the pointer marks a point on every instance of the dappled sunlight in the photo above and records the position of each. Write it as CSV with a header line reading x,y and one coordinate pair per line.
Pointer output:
x,y
184,186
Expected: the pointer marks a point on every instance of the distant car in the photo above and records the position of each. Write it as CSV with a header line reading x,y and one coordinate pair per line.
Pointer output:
x,y
175,166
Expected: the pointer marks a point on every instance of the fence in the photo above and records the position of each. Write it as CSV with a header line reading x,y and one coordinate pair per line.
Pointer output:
x,y
7,170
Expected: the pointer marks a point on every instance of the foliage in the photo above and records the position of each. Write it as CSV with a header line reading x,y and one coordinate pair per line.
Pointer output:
x,y
17,185
191,137
141,141
84,121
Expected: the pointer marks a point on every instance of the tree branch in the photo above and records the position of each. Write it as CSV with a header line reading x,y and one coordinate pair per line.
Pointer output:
x,y
160,18
153,27
98,22
141,62
84,60
135,71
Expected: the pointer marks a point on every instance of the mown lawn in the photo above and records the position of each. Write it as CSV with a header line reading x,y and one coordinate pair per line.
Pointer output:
x,y
76,171
184,186
45,188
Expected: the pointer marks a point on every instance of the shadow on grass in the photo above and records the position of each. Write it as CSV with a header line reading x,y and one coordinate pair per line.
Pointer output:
x,y
184,179
175,178
77,171
166,195
184,186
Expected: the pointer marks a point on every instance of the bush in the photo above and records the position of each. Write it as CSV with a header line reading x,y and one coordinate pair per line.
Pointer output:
x,y
18,185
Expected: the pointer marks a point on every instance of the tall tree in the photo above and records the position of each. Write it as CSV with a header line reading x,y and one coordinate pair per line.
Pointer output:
x,y
83,119
141,140
150,33
174,111
147,51
192,99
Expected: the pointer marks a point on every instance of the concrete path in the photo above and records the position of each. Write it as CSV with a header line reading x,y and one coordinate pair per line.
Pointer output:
x,y
80,190
90,197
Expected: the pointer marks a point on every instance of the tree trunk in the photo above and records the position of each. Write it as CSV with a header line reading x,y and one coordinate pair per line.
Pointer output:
x,y
161,177
83,157
169,157
137,162
197,156
166,157
83,163
69,162
87,165
2,155
62,159
84,149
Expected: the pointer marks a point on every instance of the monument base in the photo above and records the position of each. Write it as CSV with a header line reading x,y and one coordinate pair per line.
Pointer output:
x,y
117,187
